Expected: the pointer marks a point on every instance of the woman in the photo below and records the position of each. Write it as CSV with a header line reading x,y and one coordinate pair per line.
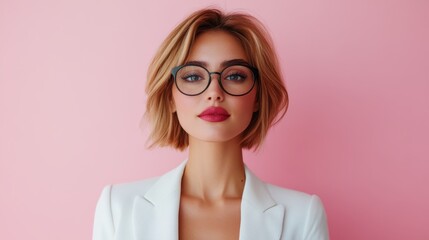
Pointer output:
x,y
215,87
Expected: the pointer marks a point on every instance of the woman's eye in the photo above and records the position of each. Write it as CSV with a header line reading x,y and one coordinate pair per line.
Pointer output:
x,y
236,77
191,78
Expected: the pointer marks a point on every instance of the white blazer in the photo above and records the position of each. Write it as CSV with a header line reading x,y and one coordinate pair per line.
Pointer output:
x,y
148,210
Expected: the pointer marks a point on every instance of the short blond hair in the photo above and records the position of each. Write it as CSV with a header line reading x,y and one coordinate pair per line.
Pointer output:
x,y
272,96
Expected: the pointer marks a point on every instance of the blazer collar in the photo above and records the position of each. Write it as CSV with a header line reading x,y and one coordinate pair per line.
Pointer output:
x,y
155,215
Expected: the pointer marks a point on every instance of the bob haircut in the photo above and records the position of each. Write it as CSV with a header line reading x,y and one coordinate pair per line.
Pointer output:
x,y
272,97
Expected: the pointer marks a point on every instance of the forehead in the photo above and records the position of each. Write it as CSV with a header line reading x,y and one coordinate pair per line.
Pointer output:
x,y
215,47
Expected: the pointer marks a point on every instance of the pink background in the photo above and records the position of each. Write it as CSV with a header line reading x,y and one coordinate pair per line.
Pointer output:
x,y
72,77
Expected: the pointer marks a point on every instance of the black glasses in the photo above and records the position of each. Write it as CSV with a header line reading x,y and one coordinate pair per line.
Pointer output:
x,y
235,80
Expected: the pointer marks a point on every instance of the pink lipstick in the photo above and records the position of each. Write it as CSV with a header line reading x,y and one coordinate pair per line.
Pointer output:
x,y
214,114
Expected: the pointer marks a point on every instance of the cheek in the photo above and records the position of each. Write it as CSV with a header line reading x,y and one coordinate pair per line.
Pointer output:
x,y
183,106
245,109
248,103
177,99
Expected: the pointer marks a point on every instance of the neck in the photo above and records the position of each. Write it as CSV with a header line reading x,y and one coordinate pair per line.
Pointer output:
x,y
214,170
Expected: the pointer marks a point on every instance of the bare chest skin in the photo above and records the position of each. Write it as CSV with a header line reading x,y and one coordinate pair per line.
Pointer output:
x,y
207,220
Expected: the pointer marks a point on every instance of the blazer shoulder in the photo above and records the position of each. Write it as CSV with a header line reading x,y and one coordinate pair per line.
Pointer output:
x,y
304,211
288,196
124,192
123,195
294,200
114,207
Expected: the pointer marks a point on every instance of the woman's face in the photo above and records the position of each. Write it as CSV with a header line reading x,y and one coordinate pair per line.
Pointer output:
x,y
214,115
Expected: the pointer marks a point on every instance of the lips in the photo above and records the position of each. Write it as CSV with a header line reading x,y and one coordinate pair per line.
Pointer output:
x,y
214,114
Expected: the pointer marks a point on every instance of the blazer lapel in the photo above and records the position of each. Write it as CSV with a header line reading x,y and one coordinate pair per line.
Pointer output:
x,y
261,216
156,214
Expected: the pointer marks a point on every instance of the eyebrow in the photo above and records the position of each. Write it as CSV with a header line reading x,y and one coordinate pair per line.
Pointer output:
x,y
224,64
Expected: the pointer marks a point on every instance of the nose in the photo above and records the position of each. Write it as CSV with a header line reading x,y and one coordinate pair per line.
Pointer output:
x,y
215,91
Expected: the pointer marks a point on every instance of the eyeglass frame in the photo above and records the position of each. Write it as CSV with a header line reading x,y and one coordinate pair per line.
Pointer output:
x,y
254,70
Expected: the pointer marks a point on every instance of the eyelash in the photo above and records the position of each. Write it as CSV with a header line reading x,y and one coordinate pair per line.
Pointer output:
x,y
240,75
187,76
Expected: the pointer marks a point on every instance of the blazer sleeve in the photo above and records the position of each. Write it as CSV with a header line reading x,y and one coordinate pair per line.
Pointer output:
x,y
104,228
316,226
